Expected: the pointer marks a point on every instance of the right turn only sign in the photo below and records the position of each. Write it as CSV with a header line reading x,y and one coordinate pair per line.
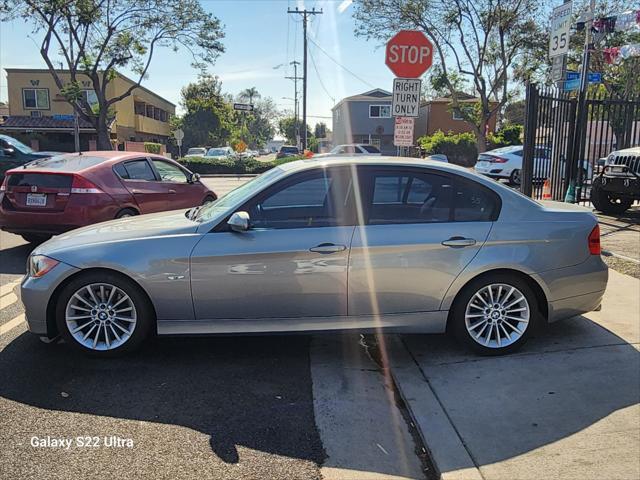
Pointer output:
x,y
406,97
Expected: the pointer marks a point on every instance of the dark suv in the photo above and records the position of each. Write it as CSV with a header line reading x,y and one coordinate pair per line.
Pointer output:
x,y
288,151
618,185
15,154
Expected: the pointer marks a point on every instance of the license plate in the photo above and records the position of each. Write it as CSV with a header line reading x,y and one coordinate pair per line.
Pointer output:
x,y
36,199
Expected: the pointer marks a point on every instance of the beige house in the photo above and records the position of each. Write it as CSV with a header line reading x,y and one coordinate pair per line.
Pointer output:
x,y
39,115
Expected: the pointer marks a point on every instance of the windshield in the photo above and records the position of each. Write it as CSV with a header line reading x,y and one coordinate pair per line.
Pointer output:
x,y
19,145
370,149
213,152
196,150
289,149
211,210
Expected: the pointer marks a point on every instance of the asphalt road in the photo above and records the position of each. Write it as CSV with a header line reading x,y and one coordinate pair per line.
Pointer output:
x,y
224,407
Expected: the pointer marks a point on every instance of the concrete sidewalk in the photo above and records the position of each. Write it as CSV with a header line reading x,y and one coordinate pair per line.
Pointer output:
x,y
566,406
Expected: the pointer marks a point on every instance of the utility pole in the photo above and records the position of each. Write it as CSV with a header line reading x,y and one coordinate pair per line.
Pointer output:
x,y
305,15
295,79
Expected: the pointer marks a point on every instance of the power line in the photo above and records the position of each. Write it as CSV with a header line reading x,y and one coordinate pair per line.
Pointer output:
x,y
341,66
313,62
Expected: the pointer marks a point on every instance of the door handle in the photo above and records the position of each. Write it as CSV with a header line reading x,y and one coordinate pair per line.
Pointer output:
x,y
172,191
459,242
327,248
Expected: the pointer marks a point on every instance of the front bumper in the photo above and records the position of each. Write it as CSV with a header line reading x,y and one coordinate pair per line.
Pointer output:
x,y
36,294
624,184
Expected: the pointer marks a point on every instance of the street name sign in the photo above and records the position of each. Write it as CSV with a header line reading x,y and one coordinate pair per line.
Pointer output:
x,y
559,34
409,54
245,107
406,97
403,131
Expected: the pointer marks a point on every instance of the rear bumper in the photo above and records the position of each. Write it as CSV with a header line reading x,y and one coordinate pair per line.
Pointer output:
x,y
574,290
36,293
77,213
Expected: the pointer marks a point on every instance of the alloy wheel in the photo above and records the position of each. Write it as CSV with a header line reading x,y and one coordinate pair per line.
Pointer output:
x,y
100,316
497,315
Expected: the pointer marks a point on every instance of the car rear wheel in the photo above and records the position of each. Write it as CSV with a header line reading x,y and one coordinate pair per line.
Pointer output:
x,y
127,212
103,314
35,238
495,314
514,178
607,202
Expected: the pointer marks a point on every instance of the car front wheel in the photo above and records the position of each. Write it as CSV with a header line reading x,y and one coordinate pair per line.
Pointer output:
x,y
103,314
495,314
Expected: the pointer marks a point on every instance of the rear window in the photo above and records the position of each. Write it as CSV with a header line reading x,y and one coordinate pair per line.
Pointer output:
x,y
370,149
43,180
67,163
289,150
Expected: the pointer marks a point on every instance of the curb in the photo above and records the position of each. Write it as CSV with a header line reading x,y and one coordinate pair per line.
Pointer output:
x,y
608,253
446,449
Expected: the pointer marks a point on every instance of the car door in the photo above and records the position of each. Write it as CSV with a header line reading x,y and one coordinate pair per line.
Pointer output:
x,y
291,263
9,157
140,179
420,229
181,193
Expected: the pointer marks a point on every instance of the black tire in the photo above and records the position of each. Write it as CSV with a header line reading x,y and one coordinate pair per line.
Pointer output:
x,y
514,178
208,199
458,322
606,202
145,317
126,212
35,238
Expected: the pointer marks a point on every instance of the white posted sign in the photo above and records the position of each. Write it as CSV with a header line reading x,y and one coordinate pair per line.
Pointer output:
x,y
560,25
178,135
403,132
406,97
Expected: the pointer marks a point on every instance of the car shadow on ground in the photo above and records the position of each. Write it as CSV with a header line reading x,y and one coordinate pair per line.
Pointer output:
x,y
567,378
13,260
249,391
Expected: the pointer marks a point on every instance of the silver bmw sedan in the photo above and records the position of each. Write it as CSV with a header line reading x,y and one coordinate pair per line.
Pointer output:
x,y
363,244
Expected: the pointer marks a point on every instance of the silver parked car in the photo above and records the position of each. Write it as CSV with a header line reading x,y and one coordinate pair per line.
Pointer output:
x,y
404,245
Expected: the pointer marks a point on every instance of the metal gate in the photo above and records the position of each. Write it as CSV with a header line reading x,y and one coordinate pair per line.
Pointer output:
x,y
567,139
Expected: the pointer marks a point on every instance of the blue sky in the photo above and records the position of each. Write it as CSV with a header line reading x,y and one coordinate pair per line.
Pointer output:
x,y
259,35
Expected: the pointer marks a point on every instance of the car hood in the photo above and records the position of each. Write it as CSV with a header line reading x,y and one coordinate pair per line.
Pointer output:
x,y
130,228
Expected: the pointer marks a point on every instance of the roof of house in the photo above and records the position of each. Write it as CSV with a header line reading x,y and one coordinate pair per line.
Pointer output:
x,y
61,122
46,70
377,94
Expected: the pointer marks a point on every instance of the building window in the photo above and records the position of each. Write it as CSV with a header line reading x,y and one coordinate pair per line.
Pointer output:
x,y
35,98
379,111
156,113
138,108
456,114
163,115
91,97
149,111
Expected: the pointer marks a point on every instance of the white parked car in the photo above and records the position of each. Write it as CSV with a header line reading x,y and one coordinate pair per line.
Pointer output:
x,y
437,157
355,149
221,152
196,152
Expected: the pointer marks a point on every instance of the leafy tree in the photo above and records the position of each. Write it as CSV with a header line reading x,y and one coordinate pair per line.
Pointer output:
x,y
260,123
288,126
514,112
476,42
209,120
93,38
320,131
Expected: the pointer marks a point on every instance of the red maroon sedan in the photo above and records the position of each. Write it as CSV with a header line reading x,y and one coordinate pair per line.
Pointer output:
x,y
51,196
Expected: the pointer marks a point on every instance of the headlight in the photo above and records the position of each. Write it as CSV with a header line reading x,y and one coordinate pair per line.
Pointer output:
x,y
39,265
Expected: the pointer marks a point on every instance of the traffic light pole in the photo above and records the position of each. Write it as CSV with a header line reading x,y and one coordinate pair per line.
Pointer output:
x,y
305,15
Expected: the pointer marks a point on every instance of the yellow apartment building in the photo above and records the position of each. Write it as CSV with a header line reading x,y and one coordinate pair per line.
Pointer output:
x,y
40,116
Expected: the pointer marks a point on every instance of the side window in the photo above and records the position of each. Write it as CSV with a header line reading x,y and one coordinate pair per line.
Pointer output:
x,y
169,173
139,170
474,203
316,199
407,197
121,171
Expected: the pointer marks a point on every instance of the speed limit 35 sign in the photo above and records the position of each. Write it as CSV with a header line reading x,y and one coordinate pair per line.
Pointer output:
x,y
560,25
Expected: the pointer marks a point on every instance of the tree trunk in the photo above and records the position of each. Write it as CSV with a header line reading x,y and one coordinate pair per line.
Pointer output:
x,y
481,139
102,129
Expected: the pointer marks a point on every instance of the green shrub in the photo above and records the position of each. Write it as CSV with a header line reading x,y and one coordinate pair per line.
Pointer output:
x,y
230,166
151,147
459,148
509,134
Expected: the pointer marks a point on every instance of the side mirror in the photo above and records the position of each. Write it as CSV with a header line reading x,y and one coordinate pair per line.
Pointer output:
x,y
194,177
239,222
9,152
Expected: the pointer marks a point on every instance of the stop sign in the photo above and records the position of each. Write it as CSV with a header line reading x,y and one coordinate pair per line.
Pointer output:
x,y
409,54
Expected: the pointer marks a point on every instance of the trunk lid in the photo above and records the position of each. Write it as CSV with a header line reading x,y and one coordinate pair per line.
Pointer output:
x,y
33,191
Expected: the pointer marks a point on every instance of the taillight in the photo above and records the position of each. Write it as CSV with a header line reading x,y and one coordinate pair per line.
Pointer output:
x,y
498,160
594,241
3,187
82,185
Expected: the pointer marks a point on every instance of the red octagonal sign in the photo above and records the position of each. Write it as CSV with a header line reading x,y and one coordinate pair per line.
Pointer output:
x,y
409,54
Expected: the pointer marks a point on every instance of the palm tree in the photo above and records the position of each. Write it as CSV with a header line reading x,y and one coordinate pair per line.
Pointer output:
x,y
249,94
